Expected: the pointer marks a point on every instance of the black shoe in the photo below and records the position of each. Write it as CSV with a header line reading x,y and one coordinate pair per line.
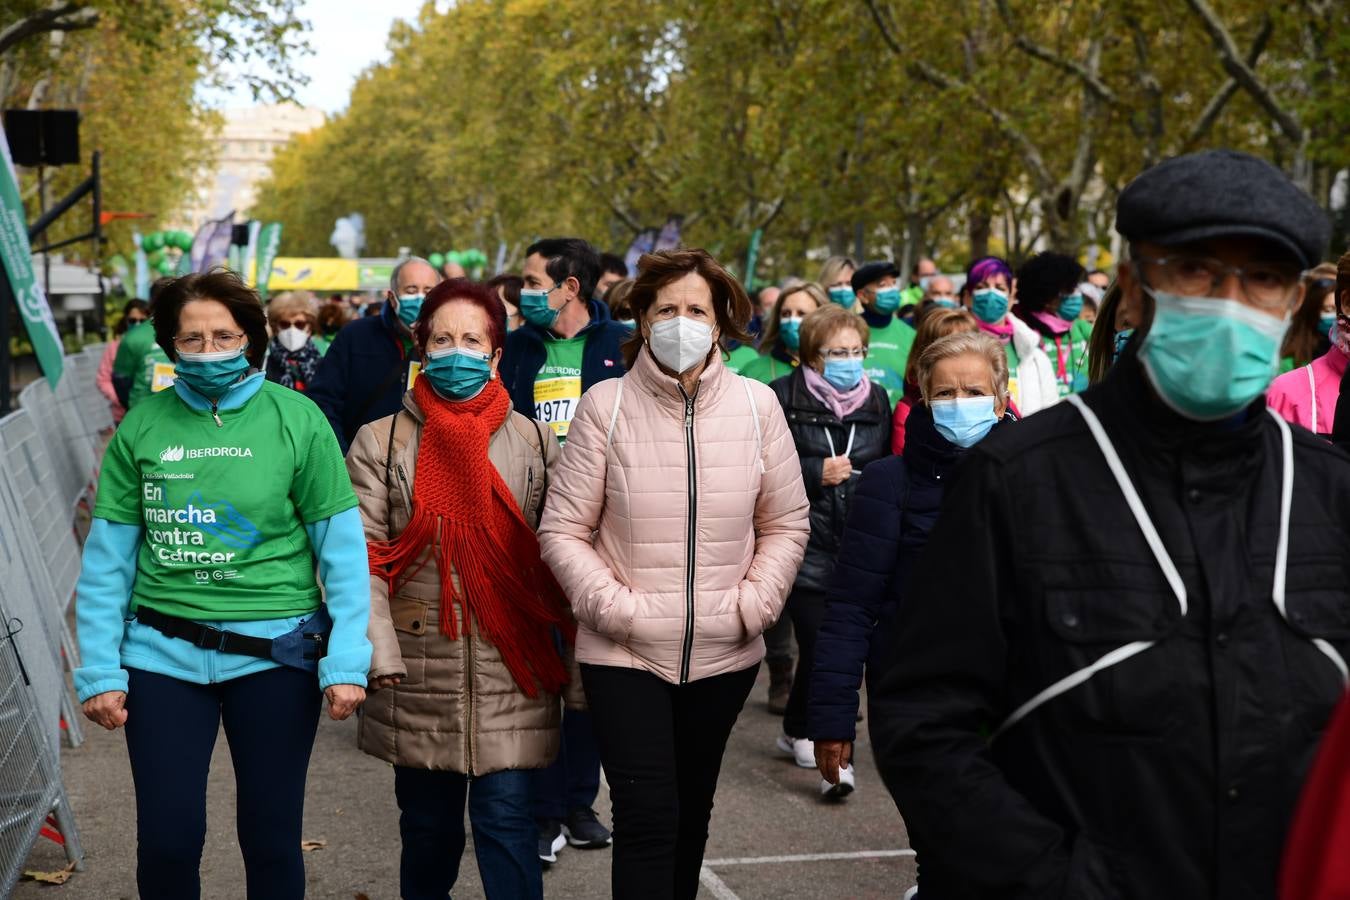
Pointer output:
x,y
583,829
551,840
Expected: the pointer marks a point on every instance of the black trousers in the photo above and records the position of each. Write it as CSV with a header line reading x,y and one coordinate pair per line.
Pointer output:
x,y
807,610
661,745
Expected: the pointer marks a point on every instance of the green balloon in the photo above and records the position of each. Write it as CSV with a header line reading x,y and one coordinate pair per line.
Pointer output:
x,y
164,266
153,241
437,260
182,240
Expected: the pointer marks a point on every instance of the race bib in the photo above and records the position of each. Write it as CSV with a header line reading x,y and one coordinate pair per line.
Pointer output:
x,y
161,379
555,402
414,368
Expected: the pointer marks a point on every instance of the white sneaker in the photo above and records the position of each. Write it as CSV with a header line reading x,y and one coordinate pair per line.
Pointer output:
x,y
842,789
802,750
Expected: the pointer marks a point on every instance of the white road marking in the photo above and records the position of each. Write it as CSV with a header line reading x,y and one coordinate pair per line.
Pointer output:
x,y
803,857
716,886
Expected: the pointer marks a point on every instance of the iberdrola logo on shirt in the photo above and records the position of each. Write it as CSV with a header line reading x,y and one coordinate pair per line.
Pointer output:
x,y
178,454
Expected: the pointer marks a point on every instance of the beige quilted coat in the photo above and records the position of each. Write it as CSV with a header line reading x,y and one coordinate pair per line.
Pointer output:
x,y
458,707
675,546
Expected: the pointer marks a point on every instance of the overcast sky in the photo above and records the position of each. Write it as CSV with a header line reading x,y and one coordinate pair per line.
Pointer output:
x,y
347,36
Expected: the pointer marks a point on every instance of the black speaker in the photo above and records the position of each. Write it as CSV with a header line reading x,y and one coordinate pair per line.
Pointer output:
x,y
43,137
239,235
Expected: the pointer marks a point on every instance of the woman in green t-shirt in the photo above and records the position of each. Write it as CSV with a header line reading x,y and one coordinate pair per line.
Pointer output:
x,y
778,347
198,603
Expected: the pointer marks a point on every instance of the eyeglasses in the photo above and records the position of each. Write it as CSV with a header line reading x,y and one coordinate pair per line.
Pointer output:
x,y
293,323
840,353
221,340
1265,285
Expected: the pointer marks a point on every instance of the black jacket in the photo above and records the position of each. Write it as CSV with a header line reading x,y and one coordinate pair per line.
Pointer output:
x,y
893,511
809,420
363,375
524,355
1174,773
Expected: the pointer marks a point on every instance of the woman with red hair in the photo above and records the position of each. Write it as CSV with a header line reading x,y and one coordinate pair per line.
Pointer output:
x,y
465,674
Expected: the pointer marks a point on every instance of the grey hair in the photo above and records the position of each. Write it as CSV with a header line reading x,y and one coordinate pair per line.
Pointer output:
x,y
959,344
398,267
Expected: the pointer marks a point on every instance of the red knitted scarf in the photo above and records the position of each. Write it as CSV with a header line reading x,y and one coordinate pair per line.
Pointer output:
x,y
464,511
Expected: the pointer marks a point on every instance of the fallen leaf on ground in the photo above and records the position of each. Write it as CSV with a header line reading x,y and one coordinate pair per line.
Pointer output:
x,y
60,876
361,897
307,846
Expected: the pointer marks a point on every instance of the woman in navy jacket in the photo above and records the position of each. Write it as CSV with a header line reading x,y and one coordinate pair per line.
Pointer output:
x,y
963,379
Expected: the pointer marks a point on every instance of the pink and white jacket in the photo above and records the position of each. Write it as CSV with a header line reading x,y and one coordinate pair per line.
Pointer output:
x,y
1307,395
676,526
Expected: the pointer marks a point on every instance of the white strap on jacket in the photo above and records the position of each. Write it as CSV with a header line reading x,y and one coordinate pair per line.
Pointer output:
x,y
614,416
848,451
1169,569
754,414
1312,392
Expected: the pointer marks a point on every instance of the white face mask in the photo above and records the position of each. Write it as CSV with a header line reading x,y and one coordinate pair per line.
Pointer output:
x,y
292,338
680,343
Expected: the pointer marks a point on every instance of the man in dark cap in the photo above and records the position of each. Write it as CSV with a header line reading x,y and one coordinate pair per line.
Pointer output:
x,y
876,285
1131,624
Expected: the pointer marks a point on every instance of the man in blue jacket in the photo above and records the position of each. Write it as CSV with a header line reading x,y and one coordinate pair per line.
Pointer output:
x,y
371,362
568,341
567,344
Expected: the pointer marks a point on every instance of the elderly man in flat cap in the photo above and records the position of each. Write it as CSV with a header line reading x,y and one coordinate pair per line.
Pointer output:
x,y
1113,665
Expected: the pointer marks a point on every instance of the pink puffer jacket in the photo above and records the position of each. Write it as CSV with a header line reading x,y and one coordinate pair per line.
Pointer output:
x,y
1310,404
677,537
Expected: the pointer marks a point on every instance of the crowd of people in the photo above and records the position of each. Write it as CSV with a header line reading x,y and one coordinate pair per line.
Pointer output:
x,y
1080,541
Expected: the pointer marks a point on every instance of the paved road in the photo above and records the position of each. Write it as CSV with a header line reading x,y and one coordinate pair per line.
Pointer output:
x,y
771,836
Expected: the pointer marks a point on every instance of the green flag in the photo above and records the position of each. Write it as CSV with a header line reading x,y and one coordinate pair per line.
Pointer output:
x,y
269,242
17,256
751,258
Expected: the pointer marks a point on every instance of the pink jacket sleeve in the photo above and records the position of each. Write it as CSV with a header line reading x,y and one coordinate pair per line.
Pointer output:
x,y
781,526
1290,396
576,499
103,379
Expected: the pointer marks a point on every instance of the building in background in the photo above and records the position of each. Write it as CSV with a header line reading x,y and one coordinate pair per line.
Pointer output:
x,y
245,147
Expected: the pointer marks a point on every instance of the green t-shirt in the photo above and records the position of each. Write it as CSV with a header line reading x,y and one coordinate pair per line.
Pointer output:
x,y
1068,357
321,343
144,362
557,387
887,354
1014,360
224,507
766,368
742,356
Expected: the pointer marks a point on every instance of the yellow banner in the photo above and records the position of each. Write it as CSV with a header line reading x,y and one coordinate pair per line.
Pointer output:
x,y
299,273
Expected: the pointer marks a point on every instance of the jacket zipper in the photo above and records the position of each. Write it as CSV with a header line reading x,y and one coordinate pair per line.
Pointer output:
x,y
407,491
215,414
468,694
690,537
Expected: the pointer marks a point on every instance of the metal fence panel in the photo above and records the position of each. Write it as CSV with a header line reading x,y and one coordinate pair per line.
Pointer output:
x,y
35,482
47,416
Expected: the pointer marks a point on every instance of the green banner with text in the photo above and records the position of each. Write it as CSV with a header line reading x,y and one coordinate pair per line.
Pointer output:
x,y
17,257
269,242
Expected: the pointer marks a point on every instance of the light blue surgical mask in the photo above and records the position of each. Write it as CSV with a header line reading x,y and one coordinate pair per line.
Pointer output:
x,y
964,420
990,305
1209,357
211,374
630,324
458,373
1070,307
534,307
844,374
887,300
790,330
843,295
409,308
1324,324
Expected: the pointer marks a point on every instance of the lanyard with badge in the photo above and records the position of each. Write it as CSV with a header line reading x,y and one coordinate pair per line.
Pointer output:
x,y
1141,516
848,450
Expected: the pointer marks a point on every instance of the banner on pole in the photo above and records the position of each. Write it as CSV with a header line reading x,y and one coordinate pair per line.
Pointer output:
x,y
269,242
211,246
751,258
249,260
142,268
17,257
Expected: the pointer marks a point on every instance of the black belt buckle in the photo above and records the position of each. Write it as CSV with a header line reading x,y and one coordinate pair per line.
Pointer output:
x,y
210,639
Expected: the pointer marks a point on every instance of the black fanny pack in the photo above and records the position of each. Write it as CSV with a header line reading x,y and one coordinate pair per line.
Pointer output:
x,y
300,648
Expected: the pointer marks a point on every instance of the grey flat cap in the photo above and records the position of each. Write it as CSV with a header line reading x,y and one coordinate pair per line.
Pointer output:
x,y
1222,193
870,273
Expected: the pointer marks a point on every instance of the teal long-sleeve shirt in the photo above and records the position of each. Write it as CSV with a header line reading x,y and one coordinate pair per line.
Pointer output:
x,y
110,641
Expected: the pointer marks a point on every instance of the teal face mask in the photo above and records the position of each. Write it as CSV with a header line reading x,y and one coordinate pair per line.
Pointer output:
x,y
534,307
211,374
945,303
458,374
1324,324
887,300
843,295
790,330
1122,338
1209,358
1070,307
409,308
990,305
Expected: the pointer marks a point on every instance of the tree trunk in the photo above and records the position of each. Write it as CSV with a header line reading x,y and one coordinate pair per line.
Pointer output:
x,y
978,228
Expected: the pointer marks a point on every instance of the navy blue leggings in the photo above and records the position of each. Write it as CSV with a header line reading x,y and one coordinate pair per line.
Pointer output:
x,y
270,720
